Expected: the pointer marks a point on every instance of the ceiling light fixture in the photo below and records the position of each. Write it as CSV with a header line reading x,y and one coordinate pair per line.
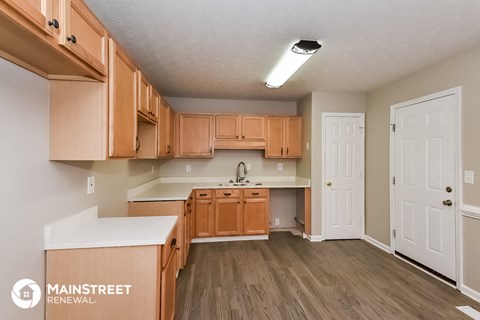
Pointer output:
x,y
291,61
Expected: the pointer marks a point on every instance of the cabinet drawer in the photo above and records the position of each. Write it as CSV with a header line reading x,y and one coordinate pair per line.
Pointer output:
x,y
255,193
203,194
227,193
170,245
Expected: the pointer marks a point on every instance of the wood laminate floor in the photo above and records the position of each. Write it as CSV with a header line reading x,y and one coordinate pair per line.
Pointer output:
x,y
288,277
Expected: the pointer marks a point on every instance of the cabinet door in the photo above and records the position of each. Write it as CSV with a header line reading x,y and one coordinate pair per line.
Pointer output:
x,y
253,128
275,137
204,216
83,34
227,127
228,217
143,94
154,104
256,216
195,133
163,132
37,12
171,132
167,303
121,101
293,137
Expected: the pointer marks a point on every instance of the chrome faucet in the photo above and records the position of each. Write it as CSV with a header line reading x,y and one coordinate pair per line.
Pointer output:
x,y
239,172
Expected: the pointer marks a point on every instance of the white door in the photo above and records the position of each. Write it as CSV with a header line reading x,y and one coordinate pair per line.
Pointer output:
x,y
425,176
343,175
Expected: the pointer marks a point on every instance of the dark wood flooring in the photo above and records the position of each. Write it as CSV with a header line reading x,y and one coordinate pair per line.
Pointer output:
x,y
288,277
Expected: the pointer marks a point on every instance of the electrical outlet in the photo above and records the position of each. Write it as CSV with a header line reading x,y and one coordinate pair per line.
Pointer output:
x,y
153,169
279,167
249,167
188,168
277,221
468,177
91,185
307,145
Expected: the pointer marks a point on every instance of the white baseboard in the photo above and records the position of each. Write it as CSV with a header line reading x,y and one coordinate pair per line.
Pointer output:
x,y
469,292
378,244
315,238
226,239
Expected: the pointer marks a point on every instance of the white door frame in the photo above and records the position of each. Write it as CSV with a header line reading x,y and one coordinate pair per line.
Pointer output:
x,y
457,92
362,169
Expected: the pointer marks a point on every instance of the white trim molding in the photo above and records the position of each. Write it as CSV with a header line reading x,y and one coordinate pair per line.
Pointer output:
x,y
378,244
470,211
469,292
315,238
226,239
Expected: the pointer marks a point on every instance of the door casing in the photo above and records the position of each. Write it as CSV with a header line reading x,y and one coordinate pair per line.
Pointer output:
x,y
457,92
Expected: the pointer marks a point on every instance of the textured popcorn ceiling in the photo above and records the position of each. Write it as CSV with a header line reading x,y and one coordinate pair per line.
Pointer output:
x,y
226,48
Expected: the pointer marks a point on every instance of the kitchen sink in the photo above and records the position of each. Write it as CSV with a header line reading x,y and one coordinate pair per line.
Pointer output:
x,y
239,184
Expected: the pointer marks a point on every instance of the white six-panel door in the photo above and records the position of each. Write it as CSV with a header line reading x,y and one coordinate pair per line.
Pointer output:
x,y
425,180
343,175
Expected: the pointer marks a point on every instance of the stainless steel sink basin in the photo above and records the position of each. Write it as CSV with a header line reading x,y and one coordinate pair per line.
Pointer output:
x,y
239,184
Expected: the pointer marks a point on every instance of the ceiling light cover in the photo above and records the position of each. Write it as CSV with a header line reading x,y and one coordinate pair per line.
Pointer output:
x,y
291,61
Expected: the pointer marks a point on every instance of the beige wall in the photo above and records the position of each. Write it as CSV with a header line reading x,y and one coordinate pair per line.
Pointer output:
x,y
304,109
326,102
36,192
463,70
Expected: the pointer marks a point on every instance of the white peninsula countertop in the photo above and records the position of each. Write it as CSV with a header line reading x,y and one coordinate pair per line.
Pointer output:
x,y
171,189
86,230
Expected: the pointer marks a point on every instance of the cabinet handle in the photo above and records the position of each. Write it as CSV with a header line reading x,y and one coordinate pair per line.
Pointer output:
x,y
238,202
227,194
138,145
168,149
202,194
54,23
243,137
237,137
209,203
287,151
72,39
281,150
188,204
255,193
245,202
173,243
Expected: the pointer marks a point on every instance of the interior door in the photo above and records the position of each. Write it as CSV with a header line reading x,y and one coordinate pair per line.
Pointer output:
x,y
424,189
343,167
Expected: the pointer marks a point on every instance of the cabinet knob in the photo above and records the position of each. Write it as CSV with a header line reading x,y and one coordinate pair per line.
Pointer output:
x,y
54,23
72,39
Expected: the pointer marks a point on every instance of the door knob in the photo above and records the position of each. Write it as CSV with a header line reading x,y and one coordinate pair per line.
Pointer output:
x,y
447,203
448,189
329,184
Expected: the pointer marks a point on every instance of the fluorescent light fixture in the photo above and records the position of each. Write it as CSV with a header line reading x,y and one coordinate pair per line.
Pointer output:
x,y
291,61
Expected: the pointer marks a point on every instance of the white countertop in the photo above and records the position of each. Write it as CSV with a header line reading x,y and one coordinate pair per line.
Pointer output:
x,y
86,230
170,189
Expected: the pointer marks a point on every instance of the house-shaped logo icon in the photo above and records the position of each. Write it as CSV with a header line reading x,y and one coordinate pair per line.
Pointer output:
x,y
26,293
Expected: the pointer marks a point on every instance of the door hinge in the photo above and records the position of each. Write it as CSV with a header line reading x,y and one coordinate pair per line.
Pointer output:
x,y
393,127
394,233
393,180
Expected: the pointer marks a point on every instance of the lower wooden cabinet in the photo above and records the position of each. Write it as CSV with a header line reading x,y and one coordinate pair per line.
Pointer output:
x,y
165,208
147,282
231,212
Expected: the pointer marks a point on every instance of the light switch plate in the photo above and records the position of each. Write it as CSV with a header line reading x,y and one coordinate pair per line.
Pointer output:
x,y
468,177
91,185
307,145
188,168
279,167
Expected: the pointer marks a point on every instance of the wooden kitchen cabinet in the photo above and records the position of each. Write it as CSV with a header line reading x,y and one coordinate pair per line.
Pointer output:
x,y
166,208
38,12
151,277
194,135
122,82
228,212
204,214
284,137
143,96
256,211
239,132
189,226
166,128
154,104
83,34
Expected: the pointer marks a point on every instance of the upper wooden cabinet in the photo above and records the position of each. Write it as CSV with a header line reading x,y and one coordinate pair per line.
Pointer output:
x,y
83,34
143,95
284,137
166,128
194,135
122,83
239,132
154,104
38,12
